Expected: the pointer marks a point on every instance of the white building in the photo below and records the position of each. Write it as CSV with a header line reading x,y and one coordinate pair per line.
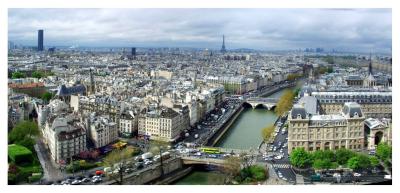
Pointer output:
x,y
102,131
64,139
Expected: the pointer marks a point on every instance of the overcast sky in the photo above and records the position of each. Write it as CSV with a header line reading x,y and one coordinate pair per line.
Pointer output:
x,y
268,29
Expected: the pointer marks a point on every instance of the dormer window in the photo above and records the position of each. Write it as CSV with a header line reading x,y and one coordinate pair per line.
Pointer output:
x,y
355,114
298,116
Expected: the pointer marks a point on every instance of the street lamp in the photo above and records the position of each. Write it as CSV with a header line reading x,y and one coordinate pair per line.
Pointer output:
x,y
161,162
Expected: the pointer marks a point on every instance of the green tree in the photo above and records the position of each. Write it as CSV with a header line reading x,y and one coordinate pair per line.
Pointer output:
x,y
117,160
17,75
343,155
324,155
374,161
322,164
359,161
384,151
267,132
300,158
37,74
23,133
47,96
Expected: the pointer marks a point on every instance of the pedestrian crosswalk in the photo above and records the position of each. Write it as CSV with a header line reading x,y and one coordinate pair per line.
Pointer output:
x,y
281,165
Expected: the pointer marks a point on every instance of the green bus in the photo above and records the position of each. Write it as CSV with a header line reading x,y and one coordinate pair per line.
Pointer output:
x,y
210,150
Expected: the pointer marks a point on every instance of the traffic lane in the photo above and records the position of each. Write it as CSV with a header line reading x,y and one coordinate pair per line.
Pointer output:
x,y
288,174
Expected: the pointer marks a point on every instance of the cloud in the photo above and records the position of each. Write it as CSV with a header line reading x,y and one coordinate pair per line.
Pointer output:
x,y
353,29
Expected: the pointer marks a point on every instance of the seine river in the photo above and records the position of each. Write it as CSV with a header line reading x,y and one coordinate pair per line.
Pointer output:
x,y
245,133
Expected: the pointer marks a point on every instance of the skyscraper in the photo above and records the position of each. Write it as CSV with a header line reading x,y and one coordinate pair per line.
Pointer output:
x,y
40,40
133,53
223,50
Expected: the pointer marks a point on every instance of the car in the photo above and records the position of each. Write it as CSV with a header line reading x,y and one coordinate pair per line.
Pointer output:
x,y
281,151
97,180
356,174
128,170
64,182
76,182
86,180
283,178
278,157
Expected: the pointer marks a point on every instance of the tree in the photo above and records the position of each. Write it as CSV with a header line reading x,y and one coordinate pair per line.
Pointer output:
x,y
47,96
37,74
231,167
117,160
300,158
285,102
292,77
324,154
267,132
359,161
17,75
22,134
384,151
374,161
343,155
322,164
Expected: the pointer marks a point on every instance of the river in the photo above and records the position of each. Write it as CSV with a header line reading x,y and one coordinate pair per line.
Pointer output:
x,y
245,133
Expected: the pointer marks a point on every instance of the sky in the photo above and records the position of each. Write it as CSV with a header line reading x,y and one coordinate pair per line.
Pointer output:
x,y
360,30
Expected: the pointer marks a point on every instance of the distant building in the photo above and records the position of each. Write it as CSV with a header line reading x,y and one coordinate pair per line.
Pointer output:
x,y
40,40
133,53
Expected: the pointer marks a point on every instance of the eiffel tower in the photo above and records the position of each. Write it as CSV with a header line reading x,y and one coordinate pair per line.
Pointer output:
x,y
223,50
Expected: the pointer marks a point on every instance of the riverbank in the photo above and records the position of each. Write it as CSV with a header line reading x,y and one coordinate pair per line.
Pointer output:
x,y
224,128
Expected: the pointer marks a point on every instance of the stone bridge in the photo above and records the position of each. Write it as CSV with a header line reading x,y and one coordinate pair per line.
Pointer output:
x,y
268,103
194,160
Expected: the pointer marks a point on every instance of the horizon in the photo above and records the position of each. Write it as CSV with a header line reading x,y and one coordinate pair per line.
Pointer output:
x,y
347,30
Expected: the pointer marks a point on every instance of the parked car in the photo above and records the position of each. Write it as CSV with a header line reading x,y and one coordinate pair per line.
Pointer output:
x,y
76,182
97,180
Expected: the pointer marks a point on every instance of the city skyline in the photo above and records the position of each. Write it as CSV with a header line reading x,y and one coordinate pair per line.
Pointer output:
x,y
354,30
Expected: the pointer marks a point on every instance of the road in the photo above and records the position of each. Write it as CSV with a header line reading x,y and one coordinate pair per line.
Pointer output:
x,y
50,168
282,165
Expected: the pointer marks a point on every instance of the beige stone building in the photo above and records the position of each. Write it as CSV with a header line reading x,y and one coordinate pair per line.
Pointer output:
x,y
320,132
163,123
377,131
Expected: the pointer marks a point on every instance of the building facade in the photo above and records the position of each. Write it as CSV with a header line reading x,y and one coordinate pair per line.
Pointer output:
x,y
103,131
163,123
321,132
373,104
64,139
